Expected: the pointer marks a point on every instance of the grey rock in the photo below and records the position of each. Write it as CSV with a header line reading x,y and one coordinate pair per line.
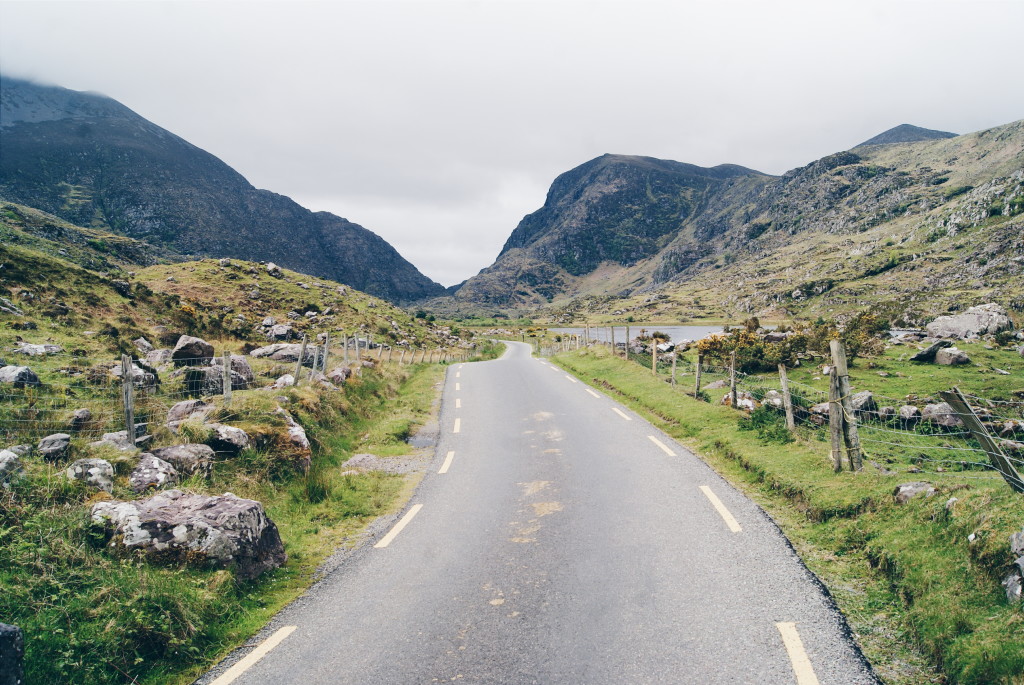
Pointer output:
x,y
209,380
20,376
54,447
12,654
281,331
1010,428
339,375
907,491
10,467
187,409
863,402
224,531
274,270
1013,583
9,307
119,440
297,439
123,288
38,350
717,385
143,345
158,357
190,351
951,356
941,414
97,473
972,323
239,366
821,409
1017,543
21,450
140,377
152,472
284,381
268,322
284,352
886,413
80,418
188,460
227,438
927,355
773,398
909,414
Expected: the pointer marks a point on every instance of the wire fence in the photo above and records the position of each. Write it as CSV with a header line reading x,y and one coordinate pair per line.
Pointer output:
x,y
916,434
89,398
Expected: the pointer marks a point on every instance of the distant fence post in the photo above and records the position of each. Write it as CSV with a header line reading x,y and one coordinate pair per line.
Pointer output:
x,y
128,395
849,419
654,359
626,348
787,399
227,378
958,402
675,356
355,340
615,350
302,357
700,366
732,380
835,420
401,360
327,350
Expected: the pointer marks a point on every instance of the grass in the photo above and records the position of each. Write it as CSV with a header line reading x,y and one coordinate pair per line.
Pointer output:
x,y
924,602
90,616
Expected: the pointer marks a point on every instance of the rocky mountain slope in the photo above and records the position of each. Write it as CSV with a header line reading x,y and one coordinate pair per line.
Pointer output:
x,y
913,227
93,162
906,133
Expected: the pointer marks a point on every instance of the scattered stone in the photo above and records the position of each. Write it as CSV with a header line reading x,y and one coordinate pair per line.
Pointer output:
x,y
141,378
209,380
863,402
38,350
20,376
143,346
1011,427
284,352
187,409
274,270
716,385
152,472
191,351
941,414
10,467
119,440
284,381
281,331
54,447
268,322
240,367
225,531
297,438
907,491
972,323
909,415
1014,583
224,262
8,307
886,413
80,418
21,450
928,354
123,288
339,375
97,473
227,438
189,460
1001,372
12,654
158,357
951,356
1017,544
950,503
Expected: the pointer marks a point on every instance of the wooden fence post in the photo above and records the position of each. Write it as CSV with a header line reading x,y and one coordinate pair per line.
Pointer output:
x,y
787,399
615,350
732,380
401,360
128,395
227,378
626,348
327,350
674,358
700,367
835,420
355,339
344,358
302,357
958,402
849,419
654,359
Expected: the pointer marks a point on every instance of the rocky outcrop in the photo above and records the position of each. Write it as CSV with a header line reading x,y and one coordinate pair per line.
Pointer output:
x,y
152,472
225,531
972,323
951,356
190,351
187,409
19,376
285,352
188,460
927,355
96,473
227,438
37,350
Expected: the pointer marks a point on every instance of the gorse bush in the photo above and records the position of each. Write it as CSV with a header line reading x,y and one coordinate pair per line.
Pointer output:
x,y
769,425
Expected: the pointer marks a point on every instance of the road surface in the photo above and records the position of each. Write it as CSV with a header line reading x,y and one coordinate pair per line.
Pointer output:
x,y
560,538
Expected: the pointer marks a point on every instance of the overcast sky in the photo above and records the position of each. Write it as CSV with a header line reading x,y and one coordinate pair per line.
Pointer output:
x,y
439,125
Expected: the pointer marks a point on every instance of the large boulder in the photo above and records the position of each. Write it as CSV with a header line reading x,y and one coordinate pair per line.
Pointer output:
x,y
280,331
119,440
863,402
97,473
928,354
227,438
12,653
54,447
240,366
152,472
191,351
339,375
188,460
941,414
225,531
141,378
38,350
908,491
909,415
187,409
972,323
20,376
209,380
158,357
951,356
10,467
284,352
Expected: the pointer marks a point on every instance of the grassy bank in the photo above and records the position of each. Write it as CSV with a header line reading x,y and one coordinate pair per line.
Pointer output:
x,y
90,617
924,600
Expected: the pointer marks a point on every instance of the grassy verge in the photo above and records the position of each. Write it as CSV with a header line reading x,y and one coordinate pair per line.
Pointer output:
x,y
90,617
924,600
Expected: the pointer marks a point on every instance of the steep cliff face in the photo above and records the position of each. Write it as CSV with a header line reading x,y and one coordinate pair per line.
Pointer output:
x,y
94,162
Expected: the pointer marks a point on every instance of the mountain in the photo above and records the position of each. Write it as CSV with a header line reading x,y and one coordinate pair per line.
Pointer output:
x,y
93,162
906,133
605,217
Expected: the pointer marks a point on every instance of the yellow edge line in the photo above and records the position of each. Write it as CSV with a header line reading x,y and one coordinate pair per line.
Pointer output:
x,y
620,413
447,462
387,539
663,446
250,659
795,647
734,526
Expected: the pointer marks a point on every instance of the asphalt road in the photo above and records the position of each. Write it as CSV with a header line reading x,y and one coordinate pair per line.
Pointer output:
x,y
561,544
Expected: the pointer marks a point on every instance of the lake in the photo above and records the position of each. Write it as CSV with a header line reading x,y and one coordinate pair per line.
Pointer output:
x,y
676,333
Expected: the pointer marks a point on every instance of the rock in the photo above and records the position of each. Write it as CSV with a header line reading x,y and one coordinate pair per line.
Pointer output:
x,y
97,473
225,531
38,350
820,409
972,323
716,385
12,655
152,472
744,401
185,410
281,331
339,375
240,367
1013,583
773,398
191,351
158,357
21,450
54,447
950,503
143,346
284,352
140,377
224,262
209,380
863,402
274,270
227,438
188,460
80,418
1017,543
927,355
10,467
886,413
907,491
1010,428
119,440
284,381
123,288
951,356
909,415
20,376
297,439
268,322
941,414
